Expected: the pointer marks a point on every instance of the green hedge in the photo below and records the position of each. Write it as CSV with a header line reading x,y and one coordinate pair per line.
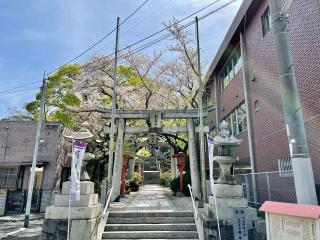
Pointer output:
x,y
175,184
134,184
165,179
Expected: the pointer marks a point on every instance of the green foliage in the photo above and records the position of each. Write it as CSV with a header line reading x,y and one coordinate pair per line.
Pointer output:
x,y
175,184
32,107
134,184
70,99
107,100
143,152
129,76
165,179
59,96
127,148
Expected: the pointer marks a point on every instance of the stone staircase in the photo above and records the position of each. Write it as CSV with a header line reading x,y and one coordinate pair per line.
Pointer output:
x,y
151,174
150,225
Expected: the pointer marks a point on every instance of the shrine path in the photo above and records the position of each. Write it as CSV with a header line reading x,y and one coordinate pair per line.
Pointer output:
x,y
152,198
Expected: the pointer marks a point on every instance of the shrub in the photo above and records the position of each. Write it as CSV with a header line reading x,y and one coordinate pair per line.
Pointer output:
x,y
134,184
175,184
165,179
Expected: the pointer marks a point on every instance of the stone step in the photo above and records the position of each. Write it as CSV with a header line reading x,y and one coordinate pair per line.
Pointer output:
x,y
151,177
151,227
133,214
150,220
150,235
151,168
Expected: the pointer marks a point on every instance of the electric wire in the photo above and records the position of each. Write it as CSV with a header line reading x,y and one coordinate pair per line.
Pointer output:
x,y
101,40
162,30
153,42
84,52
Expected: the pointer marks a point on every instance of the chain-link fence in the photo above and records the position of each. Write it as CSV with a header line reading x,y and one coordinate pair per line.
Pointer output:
x,y
270,186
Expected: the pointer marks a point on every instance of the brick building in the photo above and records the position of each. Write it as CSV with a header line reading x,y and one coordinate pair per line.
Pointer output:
x,y
17,140
225,86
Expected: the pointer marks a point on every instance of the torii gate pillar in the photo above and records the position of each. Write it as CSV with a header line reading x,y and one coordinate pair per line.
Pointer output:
x,y
117,166
194,169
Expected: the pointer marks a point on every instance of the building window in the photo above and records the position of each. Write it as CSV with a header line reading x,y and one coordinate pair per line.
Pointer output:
x,y
8,177
285,167
266,21
207,101
231,68
20,177
237,120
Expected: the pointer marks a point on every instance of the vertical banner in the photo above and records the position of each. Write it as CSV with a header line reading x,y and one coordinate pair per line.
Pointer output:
x,y
211,152
78,151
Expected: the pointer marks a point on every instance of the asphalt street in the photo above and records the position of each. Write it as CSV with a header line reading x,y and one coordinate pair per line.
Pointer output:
x,y
11,227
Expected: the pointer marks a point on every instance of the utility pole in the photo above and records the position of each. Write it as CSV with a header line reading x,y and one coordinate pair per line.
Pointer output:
x,y
201,135
114,96
299,151
35,153
245,77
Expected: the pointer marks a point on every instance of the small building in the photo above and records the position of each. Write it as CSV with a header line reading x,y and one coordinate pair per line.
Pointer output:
x,y
17,139
225,88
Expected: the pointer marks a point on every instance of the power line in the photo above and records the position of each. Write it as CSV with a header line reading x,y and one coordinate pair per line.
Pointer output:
x,y
155,41
17,93
18,87
138,23
101,40
161,38
162,30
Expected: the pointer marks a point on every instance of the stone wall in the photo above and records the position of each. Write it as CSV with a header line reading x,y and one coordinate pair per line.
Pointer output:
x,y
255,232
54,229
47,199
3,198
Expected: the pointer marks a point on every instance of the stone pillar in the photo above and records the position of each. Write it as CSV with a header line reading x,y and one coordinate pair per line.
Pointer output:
x,y
173,165
117,166
84,214
3,198
131,168
194,170
103,190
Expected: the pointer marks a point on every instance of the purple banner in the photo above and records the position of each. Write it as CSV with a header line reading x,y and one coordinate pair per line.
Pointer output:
x,y
78,151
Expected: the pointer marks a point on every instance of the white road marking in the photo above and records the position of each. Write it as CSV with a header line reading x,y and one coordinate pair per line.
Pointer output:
x,y
14,232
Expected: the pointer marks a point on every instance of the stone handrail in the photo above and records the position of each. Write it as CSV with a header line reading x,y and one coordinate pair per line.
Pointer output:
x,y
104,217
197,219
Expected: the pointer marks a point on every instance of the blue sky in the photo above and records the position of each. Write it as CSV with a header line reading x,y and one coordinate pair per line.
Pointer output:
x,y
38,35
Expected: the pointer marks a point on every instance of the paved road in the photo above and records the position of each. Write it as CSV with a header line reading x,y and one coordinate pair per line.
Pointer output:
x,y
154,198
11,227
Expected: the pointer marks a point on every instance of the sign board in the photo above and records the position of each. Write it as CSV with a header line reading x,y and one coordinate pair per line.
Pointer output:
x,y
288,221
240,230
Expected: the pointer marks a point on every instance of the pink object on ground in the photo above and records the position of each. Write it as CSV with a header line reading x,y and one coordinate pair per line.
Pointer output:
x,y
291,209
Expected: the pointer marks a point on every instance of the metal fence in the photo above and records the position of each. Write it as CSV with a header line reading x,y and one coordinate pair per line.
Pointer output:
x,y
17,199
270,186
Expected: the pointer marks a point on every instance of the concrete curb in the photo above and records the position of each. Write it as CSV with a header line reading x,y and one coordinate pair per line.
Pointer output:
x,y
20,218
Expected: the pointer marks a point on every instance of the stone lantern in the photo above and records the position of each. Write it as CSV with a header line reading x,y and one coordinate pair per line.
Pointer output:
x,y
84,214
228,196
181,163
83,135
224,145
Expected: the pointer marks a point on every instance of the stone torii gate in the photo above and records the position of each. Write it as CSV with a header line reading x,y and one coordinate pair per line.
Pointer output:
x,y
154,117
